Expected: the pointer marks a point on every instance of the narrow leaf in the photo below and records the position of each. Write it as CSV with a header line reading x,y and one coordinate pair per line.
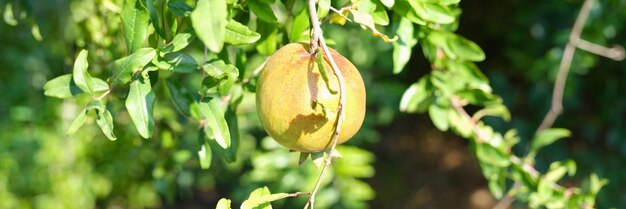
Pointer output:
x,y
140,103
179,8
238,34
103,118
80,75
465,49
262,10
181,99
209,20
135,20
403,47
213,115
154,17
547,137
77,123
205,155
320,67
323,8
124,68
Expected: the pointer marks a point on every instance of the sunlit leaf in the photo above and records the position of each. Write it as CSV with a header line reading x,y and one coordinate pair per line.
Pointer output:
x,y
299,26
547,137
415,96
140,103
124,68
323,6
205,156
465,49
77,123
238,34
223,204
209,20
387,3
269,38
178,62
180,41
260,199
403,47
103,118
64,87
80,75
489,154
135,20
366,20
213,114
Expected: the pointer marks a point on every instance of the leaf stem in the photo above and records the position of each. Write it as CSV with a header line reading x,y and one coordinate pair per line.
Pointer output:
x,y
317,40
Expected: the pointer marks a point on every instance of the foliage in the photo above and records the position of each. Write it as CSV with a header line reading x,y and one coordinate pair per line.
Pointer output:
x,y
195,107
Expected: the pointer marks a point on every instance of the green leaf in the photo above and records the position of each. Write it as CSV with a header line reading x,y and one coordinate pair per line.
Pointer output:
x,y
439,115
77,123
547,137
154,17
260,199
124,68
238,34
220,78
9,17
299,26
497,109
465,49
488,154
459,124
213,114
478,97
179,8
233,127
387,3
323,6
404,9
209,20
380,15
416,97
103,118
64,87
181,98
403,47
179,62
437,14
262,10
320,67
180,41
269,38
135,20
223,204
140,103
205,155
80,75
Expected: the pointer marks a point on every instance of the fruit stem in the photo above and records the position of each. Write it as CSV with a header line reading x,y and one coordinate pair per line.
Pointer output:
x,y
317,40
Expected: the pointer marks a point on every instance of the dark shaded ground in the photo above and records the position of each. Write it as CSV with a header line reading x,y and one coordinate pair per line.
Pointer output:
x,y
418,166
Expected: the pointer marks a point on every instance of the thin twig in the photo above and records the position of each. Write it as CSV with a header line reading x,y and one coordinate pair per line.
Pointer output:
x,y
339,12
566,61
319,39
104,94
255,73
615,53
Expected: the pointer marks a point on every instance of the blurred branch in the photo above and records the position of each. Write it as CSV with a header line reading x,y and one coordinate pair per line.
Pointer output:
x,y
317,40
616,53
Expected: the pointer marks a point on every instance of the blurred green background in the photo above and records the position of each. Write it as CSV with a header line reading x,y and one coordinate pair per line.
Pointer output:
x,y
397,160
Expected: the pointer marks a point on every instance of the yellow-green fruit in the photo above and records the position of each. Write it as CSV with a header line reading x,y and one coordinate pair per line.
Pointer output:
x,y
287,89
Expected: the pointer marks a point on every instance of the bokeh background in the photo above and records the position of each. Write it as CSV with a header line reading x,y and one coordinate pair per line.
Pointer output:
x,y
397,160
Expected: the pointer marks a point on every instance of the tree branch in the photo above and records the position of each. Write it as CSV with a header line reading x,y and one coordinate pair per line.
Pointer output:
x,y
566,61
317,39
